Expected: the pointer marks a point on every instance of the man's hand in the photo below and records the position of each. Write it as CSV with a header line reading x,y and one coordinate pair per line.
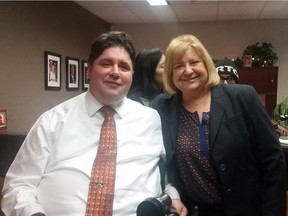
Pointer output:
x,y
178,206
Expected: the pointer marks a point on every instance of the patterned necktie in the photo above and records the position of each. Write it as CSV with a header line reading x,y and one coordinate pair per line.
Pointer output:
x,y
101,188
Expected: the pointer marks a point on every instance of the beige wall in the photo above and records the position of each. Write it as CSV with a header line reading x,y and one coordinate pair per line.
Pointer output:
x,y
222,39
27,29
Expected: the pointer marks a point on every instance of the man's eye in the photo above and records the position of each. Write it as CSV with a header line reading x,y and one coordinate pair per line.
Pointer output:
x,y
105,63
125,67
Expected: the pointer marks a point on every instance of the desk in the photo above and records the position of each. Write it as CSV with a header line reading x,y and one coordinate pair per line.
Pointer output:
x,y
284,143
9,146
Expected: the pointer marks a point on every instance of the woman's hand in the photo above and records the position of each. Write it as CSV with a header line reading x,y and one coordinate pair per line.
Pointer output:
x,y
178,206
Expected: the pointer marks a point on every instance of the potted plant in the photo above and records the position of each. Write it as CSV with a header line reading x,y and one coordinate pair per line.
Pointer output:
x,y
262,53
280,113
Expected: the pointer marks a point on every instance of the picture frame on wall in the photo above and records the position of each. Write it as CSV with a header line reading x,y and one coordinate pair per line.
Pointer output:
x,y
72,73
85,75
52,70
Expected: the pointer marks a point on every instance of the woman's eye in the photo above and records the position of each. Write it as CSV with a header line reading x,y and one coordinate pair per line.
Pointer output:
x,y
178,66
194,62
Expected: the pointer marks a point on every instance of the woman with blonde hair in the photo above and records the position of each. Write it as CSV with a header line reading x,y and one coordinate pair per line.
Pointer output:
x,y
223,153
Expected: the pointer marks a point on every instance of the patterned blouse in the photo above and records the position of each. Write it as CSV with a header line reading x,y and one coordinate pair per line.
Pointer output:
x,y
195,165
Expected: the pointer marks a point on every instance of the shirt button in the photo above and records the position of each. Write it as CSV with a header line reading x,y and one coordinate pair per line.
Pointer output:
x,y
222,167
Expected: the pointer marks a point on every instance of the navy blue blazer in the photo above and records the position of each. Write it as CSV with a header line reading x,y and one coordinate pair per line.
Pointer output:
x,y
243,145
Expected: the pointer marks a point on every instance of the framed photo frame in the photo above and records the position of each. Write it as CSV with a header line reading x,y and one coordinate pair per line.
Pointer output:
x,y
85,75
3,120
52,71
247,60
72,73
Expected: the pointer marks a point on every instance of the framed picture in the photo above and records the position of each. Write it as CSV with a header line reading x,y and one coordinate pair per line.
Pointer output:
x,y
72,73
85,75
247,60
52,63
3,120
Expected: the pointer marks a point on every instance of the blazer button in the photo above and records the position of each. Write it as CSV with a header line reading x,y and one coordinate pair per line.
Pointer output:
x,y
222,167
228,190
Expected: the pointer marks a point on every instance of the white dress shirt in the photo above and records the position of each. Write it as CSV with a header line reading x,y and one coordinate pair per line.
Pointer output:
x,y
51,172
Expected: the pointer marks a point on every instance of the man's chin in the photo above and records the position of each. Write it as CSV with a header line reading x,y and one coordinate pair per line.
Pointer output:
x,y
113,99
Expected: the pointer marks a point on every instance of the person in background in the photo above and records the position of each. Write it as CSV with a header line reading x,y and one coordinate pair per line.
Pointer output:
x,y
52,170
228,74
147,79
223,154
227,71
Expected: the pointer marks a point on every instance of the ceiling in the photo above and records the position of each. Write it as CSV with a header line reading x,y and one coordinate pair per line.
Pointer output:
x,y
138,11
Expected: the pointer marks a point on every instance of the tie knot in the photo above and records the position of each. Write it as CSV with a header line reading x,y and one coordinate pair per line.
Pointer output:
x,y
107,112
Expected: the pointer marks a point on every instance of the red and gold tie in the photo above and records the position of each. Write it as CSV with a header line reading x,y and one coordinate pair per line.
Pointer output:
x,y
101,188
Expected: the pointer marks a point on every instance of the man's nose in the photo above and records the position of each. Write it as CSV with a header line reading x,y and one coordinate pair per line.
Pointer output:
x,y
115,72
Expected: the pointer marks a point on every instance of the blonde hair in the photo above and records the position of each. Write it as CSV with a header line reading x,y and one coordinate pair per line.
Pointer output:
x,y
176,50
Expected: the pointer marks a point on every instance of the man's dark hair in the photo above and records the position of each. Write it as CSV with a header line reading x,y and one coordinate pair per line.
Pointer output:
x,y
111,39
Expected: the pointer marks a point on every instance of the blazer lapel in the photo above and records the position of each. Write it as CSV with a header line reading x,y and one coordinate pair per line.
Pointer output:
x,y
173,119
216,112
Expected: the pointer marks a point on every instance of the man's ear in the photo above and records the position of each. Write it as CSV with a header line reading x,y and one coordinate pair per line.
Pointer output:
x,y
89,69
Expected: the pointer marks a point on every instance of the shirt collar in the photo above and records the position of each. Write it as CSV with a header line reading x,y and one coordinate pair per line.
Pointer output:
x,y
93,105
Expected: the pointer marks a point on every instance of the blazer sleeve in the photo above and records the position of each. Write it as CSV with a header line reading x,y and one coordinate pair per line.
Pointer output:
x,y
269,154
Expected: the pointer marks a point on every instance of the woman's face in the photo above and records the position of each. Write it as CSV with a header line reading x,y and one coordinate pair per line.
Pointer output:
x,y
189,73
159,71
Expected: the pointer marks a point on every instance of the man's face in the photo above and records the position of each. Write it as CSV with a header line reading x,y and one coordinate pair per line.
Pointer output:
x,y
72,70
227,79
111,75
226,74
